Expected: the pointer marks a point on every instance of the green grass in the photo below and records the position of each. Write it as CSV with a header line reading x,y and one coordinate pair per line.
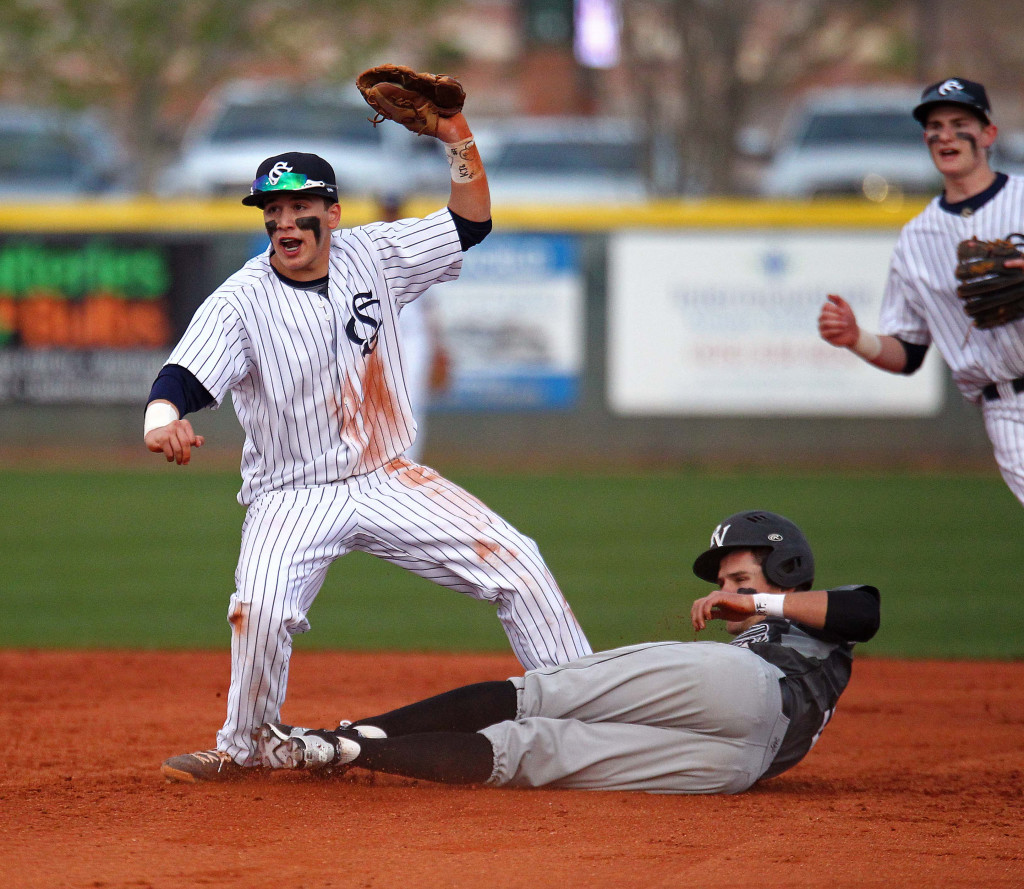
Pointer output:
x,y
146,558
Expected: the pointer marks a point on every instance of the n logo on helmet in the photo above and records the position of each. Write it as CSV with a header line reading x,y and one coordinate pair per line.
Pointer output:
x,y
718,535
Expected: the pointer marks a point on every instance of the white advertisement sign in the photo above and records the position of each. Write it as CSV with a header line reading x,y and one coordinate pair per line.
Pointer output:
x,y
725,323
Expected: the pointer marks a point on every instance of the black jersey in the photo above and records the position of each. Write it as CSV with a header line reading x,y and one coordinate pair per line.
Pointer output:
x,y
817,664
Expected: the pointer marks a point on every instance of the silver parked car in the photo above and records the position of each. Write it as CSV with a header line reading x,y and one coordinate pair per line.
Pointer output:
x,y
852,141
247,121
52,153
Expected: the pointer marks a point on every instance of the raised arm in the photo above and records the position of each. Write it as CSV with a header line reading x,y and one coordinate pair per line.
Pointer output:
x,y
470,193
431,105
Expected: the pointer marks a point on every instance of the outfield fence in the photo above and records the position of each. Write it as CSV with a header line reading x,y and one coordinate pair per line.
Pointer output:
x,y
669,333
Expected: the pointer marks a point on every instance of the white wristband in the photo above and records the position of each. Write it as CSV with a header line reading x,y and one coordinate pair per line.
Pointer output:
x,y
158,413
868,345
769,604
463,168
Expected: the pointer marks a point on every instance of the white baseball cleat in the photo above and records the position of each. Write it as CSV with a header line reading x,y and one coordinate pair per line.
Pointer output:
x,y
281,746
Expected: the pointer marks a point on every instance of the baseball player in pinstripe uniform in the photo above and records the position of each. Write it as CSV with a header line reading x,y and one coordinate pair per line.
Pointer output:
x,y
665,717
921,305
304,338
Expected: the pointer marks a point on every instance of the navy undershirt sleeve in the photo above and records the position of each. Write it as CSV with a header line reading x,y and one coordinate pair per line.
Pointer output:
x,y
179,386
915,355
470,232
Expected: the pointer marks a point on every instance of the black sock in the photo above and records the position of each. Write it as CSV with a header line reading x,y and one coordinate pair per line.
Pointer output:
x,y
466,709
445,757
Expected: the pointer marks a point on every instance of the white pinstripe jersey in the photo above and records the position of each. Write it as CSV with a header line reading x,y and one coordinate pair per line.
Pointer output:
x,y
921,305
317,381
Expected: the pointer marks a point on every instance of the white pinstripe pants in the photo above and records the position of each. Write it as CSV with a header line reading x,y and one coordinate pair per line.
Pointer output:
x,y
1004,422
404,513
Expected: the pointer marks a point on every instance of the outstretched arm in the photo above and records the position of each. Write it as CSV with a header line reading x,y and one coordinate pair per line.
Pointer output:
x,y
847,612
808,608
837,325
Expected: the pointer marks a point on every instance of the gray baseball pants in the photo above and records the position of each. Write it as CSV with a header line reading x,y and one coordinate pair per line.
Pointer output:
x,y
665,717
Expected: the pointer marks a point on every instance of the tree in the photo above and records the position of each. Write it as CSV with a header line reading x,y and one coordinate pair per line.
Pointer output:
x,y
702,65
149,62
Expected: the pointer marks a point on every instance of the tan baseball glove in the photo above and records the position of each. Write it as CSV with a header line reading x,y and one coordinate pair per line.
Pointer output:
x,y
992,294
414,100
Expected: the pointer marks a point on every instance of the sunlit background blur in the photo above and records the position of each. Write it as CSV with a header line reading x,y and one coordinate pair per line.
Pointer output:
x,y
677,185
630,355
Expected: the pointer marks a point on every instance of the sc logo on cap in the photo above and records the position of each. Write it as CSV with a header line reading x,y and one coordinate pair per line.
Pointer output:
x,y
277,171
951,86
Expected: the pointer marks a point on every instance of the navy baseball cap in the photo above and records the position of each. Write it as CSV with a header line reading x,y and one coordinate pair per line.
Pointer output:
x,y
954,91
293,171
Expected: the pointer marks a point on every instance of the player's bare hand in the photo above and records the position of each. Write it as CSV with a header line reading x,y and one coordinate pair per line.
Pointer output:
x,y
837,324
721,606
1015,263
175,441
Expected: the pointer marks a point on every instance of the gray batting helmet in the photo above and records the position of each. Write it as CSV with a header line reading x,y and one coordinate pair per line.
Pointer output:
x,y
789,565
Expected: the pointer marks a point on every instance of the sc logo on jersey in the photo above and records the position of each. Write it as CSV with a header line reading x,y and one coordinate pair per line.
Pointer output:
x,y
364,325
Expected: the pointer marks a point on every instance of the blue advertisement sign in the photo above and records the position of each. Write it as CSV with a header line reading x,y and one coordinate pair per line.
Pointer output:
x,y
513,325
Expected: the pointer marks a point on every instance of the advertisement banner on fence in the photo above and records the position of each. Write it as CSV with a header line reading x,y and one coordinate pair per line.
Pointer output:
x,y
513,325
89,319
726,324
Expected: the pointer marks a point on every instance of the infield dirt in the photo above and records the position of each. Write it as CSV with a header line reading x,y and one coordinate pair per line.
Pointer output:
x,y
918,782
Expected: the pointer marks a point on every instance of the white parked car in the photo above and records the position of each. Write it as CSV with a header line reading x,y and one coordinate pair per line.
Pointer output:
x,y
852,141
247,121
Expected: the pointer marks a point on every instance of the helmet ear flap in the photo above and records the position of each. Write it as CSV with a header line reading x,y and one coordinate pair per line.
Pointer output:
x,y
788,569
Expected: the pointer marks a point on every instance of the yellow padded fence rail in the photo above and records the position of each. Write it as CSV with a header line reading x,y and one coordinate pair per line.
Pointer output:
x,y
228,215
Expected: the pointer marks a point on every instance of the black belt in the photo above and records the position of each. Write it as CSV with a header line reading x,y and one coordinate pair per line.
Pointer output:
x,y
991,391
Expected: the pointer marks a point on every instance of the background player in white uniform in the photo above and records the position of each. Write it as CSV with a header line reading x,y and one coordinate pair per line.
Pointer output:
x,y
921,306
427,363
304,338
668,717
